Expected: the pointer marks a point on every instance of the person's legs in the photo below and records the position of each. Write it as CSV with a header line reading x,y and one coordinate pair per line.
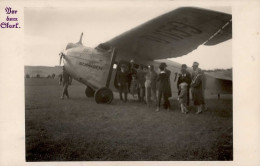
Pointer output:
x,y
139,93
148,95
182,109
188,96
199,109
185,110
166,101
142,93
193,107
125,92
204,107
159,100
65,90
62,95
135,92
120,92
153,94
129,83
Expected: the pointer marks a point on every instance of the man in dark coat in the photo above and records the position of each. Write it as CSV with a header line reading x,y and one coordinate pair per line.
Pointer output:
x,y
132,72
185,76
168,72
164,87
122,78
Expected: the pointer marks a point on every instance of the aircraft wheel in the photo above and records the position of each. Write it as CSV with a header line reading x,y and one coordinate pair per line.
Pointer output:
x,y
89,92
104,96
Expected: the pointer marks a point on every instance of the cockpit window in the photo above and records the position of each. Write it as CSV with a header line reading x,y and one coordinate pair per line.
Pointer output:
x,y
103,47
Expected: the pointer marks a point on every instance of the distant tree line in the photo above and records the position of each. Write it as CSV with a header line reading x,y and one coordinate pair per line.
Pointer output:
x,y
39,76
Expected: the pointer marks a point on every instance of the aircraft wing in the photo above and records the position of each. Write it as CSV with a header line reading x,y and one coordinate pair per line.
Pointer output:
x,y
221,74
219,84
223,78
173,34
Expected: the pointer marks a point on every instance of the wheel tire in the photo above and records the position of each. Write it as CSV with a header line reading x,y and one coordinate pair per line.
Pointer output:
x,y
89,92
104,96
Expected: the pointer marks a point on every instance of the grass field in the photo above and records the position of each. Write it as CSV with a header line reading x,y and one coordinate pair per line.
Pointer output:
x,y
78,129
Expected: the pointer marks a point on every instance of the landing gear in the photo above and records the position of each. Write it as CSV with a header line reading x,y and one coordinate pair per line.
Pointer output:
x,y
103,96
89,92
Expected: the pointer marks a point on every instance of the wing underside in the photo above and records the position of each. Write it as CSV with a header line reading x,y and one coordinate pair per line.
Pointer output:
x,y
174,34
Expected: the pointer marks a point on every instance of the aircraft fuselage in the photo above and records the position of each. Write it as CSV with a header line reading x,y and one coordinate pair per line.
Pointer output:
x,y
91,67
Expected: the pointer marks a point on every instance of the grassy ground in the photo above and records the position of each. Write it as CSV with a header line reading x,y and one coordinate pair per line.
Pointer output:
x,y
78,129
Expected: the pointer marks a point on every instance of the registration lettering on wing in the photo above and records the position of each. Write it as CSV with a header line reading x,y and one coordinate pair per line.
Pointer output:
x,y
170,31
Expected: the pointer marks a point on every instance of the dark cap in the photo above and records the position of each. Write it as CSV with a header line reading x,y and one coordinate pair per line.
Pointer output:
x,y
163,65
184,66
195,64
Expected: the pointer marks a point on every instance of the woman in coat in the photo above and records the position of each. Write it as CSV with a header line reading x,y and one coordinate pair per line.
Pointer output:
x,y
197,90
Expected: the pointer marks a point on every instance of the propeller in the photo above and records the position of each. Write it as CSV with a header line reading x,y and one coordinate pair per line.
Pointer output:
x,y
61,56
71,45
80,39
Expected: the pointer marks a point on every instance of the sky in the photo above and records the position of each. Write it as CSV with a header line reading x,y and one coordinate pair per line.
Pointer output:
x,y
48,30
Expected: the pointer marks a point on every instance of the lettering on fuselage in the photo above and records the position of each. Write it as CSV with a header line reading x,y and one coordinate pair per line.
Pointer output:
x,y
91,66
172,30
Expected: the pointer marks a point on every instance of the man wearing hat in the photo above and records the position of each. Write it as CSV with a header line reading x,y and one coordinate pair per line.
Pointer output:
x,y
164,86
66,81
197,91
132,72
122,78
169,84
195,67
185,76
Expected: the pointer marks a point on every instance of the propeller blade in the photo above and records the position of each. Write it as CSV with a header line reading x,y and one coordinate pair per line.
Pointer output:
x,y
80,39
61,56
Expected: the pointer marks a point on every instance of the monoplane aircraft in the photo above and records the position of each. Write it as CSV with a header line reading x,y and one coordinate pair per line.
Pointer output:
x,y
170,35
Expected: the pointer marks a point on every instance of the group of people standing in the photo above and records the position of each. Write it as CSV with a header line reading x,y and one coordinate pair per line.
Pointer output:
x,y
145,83
194,83
150,86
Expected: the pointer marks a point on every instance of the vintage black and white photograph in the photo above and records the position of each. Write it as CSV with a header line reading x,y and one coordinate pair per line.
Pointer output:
x,y
128,82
